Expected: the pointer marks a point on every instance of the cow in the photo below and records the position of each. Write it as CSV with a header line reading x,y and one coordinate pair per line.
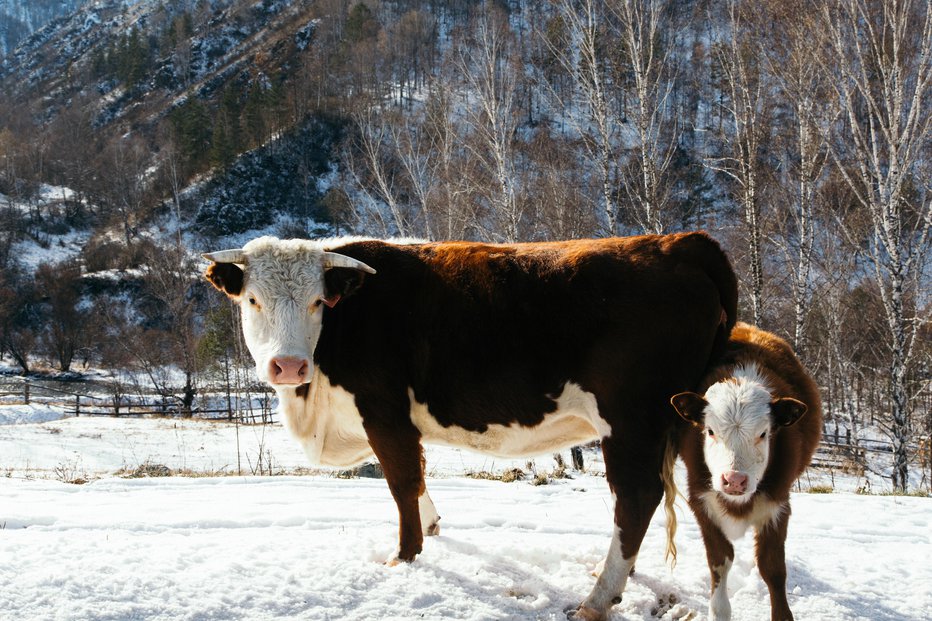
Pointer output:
x,y
375,347
751,435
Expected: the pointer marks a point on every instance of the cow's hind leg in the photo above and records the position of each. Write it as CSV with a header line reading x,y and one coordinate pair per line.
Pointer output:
x,y
771,562
399,450
633,474
430,519
720,554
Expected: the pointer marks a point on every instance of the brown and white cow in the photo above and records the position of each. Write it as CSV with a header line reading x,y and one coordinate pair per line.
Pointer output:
x,y
376,347
753,434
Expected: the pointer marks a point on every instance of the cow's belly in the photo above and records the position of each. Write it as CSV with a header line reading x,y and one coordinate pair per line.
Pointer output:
x,y
575,421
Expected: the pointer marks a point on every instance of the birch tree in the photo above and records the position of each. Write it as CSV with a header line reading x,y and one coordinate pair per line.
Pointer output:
x,y
791,60
577,48
744,108
488,67
375,177
878,58
642,25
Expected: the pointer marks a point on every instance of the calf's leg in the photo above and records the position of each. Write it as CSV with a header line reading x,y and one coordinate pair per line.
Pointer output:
x,y
771,562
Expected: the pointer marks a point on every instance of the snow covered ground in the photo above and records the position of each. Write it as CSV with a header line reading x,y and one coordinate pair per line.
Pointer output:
x,y
310,547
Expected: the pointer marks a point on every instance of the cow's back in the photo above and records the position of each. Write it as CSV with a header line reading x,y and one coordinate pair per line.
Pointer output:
x,y
491,334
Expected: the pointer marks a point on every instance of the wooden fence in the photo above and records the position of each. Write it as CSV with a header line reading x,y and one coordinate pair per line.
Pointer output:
x,y
77,404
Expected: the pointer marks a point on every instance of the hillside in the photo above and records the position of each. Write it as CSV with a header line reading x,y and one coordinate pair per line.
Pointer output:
x,y
20,18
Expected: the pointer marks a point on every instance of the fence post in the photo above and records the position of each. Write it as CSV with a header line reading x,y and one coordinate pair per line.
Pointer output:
x,y
77,405
26,392
577,456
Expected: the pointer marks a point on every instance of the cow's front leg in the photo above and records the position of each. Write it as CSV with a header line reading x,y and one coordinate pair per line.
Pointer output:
x,y
633,475
398,448
771,562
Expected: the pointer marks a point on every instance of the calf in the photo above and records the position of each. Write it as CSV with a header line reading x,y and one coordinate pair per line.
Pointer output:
x,y
747,443
375,348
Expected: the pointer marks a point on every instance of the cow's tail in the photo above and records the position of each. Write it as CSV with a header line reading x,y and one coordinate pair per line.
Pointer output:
x,y
670,493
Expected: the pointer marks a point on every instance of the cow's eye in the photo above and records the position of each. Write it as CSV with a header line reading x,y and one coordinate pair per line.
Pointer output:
x,y
711,433
318,302
763,435
253,301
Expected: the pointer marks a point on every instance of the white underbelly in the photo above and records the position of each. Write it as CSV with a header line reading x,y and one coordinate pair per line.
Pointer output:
x,y
329,426
575,421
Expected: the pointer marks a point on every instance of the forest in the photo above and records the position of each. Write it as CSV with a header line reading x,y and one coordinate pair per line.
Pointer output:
x,y
797,132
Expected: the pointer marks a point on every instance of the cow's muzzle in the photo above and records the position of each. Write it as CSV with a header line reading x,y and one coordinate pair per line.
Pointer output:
x,y
288,370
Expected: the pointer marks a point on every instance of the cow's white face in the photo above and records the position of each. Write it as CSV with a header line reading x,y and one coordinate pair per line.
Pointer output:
x,y
281,289
737,417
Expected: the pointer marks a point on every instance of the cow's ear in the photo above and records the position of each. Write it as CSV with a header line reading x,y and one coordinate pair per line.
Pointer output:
x,y
690,406
227,277
341,282
787,411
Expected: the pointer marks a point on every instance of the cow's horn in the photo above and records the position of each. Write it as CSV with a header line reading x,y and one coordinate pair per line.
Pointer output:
x,y
226,256
333,259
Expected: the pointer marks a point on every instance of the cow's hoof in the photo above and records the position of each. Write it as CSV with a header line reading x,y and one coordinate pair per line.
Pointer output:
x,y
585,613
433,530
396,560
400,559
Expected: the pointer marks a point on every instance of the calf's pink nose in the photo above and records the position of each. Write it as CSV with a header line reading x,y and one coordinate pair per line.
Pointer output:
x,y
288,370
734,482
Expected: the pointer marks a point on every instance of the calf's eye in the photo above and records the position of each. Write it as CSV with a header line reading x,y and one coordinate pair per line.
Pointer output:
x,y
711,433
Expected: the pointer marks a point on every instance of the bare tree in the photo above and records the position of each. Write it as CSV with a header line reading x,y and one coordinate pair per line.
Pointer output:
x,y
171,304
649,59
375,175
787,47
487,66
576,44
744,105
453,211
879,61
65,329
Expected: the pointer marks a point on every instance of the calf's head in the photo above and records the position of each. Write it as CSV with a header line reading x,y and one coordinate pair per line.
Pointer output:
x,y
738,418
282,287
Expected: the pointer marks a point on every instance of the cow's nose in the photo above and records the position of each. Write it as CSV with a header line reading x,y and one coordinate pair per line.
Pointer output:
x,y
735,483
288,370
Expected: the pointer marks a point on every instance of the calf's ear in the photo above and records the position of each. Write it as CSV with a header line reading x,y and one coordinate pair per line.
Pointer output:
x,y
227,277
690,406
786,411
341,282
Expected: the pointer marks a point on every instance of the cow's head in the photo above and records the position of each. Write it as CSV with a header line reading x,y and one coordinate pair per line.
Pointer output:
x,y
281,287
738,418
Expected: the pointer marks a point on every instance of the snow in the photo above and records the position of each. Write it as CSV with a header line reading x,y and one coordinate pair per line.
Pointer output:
x,y
311,547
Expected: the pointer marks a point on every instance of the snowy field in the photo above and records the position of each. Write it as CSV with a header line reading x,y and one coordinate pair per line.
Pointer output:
x,y
311,547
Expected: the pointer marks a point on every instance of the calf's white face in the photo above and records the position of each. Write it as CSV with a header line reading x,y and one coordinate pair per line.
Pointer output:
x,y
738,416
281,288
